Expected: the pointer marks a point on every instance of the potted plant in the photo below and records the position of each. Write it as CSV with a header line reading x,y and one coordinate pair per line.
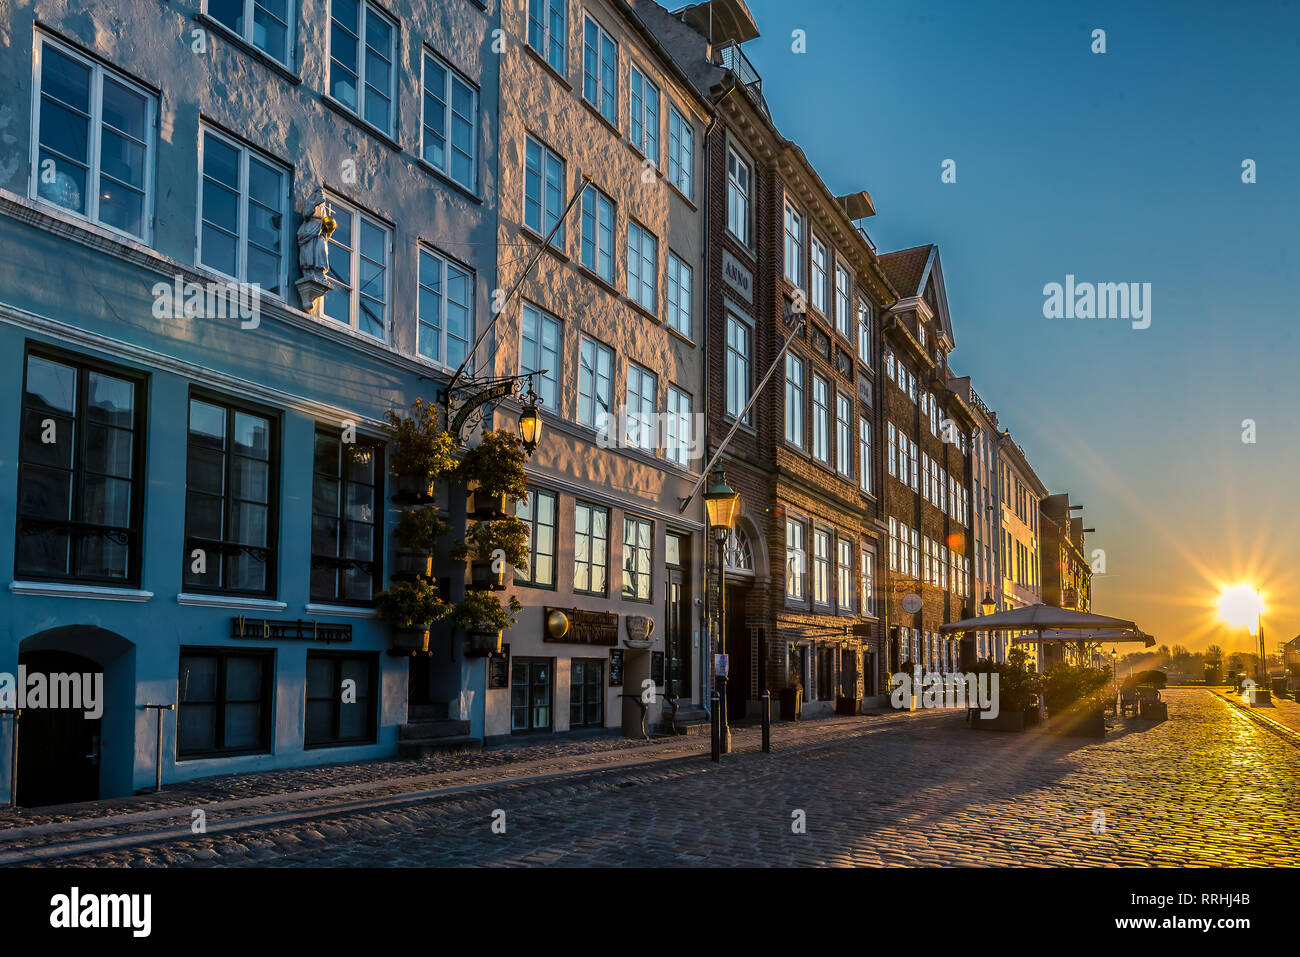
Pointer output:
x,y
494,547
423,452
792,699
418,530
1014,695
411,608
1076,698
493,471
483,617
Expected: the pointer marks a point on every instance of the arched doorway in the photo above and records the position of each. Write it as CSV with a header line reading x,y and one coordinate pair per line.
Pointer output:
x,y
738,556
77,742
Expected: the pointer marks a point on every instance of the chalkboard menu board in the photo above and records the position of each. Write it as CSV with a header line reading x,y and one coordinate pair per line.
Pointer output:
x,y
657,667
616,667
499,669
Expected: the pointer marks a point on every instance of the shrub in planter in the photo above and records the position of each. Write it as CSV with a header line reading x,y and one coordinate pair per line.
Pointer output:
x,y
418,530
423,451
411,608
1075,687
494,470
482,616
1018,686
501,542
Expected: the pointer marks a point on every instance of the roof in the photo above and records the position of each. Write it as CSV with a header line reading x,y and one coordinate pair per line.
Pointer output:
x,y
721,21
906,268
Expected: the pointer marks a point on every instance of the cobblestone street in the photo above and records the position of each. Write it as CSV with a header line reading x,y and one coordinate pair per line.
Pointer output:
x,y
1208,787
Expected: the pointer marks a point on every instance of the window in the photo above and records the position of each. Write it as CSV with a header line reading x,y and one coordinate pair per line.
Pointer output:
x,y
446,304
844,576
821,437
737,196
793,245
263,23
818,269
928,574
600,70
794,399
679,295
796,564
598,233
904,552
333,719
843,302
864,454
362,41
537,511
925,477
915,467
642,266
595,384
94,138
681,151
547,28
893,450
868,582
893,544
79,474
679,426
358,256
231,478
843,437
916,554
543,191
642,389
224,703
449,129
590,548
587,693
864,331
737,366
643,110
821,568
530,694
539,348
241,213
345,526
637,552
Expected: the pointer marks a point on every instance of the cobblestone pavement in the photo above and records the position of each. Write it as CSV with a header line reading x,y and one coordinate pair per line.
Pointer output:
x,y
1208,787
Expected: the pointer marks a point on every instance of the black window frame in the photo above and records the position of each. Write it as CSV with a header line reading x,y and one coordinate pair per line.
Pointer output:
x,y
272,560
376,563
582,703
84,366
267,657
337,659
650,567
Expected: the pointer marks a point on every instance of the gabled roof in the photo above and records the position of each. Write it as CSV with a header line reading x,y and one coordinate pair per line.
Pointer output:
x,y
910,271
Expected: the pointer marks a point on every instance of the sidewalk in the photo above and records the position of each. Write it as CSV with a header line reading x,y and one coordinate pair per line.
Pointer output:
x,y
1284,711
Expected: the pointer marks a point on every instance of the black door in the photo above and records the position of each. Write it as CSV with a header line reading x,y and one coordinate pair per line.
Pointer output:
x,y
677,635
58,748
530,695
738,653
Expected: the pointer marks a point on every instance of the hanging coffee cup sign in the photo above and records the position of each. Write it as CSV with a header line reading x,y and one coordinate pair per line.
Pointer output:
x,y
640,629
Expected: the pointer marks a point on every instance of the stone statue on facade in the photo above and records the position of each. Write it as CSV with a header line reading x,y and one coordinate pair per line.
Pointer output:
x,y
313,250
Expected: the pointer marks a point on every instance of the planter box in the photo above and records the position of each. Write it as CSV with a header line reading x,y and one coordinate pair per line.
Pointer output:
x,y
1030,717
1005,721
481,576
413,490
409,565
845,705
484,506
1154,711
483,644
791,704
410,640
1080,725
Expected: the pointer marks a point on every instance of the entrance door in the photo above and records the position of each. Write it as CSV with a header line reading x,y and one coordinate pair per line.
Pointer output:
x,y
58,748
677,618
530,695
739,653
849,673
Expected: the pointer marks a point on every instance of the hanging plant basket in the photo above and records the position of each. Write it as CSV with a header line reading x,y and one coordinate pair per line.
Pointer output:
x,y
487,506
481,576
410,640
482,644
414,489
410,565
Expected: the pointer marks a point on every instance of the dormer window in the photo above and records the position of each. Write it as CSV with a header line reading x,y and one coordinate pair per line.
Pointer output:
x,y
920,328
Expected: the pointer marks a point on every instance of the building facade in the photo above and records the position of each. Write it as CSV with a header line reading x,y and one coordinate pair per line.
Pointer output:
x,y
1066,569
1022,582
986,584
199,499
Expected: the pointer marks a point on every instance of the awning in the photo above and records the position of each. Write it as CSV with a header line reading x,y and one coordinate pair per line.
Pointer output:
x,y
1098,635
1040,618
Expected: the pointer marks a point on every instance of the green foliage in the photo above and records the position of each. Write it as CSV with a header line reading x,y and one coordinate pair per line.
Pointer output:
x,y
497,465
422,447
1018,684
420,528
483,612
1076,688
411,604
509,534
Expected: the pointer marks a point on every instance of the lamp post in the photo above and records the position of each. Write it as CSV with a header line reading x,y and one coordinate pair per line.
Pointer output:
x,y
722,502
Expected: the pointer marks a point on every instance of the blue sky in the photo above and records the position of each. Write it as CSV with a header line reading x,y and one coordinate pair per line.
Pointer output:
x,y
1115,167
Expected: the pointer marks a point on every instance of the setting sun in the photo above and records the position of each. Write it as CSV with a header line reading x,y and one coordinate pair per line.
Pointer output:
x,y
1241,607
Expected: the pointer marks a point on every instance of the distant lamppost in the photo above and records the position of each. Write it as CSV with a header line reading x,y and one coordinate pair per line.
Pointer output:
x,y
722,502
1114,676
988,605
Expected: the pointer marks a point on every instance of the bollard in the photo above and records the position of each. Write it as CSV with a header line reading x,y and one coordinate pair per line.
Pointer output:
x,y
160,708
15,713
767,721
716,726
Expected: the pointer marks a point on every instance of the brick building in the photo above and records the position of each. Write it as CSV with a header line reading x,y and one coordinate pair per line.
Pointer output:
x,y
1066,572
927,474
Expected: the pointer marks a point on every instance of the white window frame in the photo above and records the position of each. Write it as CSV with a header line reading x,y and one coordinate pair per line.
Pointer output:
x,y
845,592
453,76
606,102
679,295
94,172
641,401
548,38
681,152
445,265
794,399
794,240
819,274
248,35
538,359
359,216
739,200
636,274
821,568
599,252
734,409
365,10
843,435
843,301
821,420
245,152
678,439
796,561
643,136
546,219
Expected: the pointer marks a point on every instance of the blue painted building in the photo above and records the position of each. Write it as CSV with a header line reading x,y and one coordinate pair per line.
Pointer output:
x,y
197,498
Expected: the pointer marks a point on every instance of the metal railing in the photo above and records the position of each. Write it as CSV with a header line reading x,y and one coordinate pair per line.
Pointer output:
x,y
731,57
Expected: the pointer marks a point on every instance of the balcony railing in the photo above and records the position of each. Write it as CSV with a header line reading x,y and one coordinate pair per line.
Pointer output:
x,y
731,57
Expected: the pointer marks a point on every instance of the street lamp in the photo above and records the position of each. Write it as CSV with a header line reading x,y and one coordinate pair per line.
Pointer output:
x,y
530,422
722,502
988,605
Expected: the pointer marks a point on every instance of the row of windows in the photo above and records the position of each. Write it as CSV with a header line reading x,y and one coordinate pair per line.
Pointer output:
x,y
924,474
225,701
1023,564
940,427
81,489
927,560
590,528
830,581
929,649
795,410
532,690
